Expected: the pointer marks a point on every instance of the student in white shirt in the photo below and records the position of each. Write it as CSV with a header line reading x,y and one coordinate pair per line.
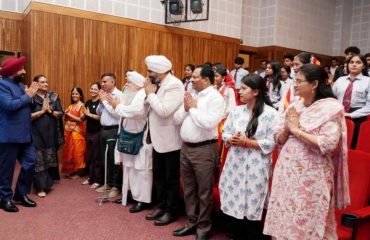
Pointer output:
x,y
199,118
288,61
286,80
334,65
188,71
353,91
239,72
298,62
273,83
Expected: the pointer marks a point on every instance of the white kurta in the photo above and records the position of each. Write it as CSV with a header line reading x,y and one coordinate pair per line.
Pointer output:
x,y
245,177
137,169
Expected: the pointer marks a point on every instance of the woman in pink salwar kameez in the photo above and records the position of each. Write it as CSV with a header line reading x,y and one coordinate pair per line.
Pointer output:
x,y
311,175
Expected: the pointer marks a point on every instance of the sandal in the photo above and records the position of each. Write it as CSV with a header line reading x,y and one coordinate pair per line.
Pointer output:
x,y
41,194
94,185
85,182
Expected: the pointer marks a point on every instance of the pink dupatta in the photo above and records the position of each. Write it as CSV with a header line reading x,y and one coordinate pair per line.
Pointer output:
x,y
314,116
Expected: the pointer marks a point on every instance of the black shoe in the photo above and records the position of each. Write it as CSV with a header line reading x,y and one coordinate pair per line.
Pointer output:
x,y
166,219
8,206
24,200
155,215
118,201
201,237
138,207
184,231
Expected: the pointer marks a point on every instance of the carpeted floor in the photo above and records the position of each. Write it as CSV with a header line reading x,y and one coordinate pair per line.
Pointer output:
x,y
70,212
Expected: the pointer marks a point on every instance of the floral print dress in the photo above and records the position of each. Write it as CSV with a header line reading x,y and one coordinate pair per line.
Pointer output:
x,y
245,177
309,181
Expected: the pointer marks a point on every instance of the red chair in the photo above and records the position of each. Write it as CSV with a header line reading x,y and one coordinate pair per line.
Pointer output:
x,y
216,191
353,222
350,129
363,137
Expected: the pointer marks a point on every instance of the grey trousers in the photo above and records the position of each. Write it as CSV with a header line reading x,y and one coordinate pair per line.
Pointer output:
x,y
197,166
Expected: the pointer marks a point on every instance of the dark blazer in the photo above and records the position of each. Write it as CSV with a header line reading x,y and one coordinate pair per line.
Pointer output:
x,y
15,113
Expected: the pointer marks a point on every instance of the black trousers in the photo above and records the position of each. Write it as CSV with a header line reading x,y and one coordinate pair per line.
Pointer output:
x,y
357,122
244,229
94,169
166,171
114,172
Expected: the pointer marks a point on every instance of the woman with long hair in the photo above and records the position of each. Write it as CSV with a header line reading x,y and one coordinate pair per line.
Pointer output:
x,y
311,174
93,126
272,79
286,80
188,72
74,132
245,177
47,135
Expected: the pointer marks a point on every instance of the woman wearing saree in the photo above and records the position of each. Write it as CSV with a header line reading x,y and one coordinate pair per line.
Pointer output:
x,y
311,175
47,135
74,132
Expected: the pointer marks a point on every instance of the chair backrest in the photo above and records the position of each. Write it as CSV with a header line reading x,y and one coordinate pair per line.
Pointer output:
x,y
359,179
275,156
350,129
363,137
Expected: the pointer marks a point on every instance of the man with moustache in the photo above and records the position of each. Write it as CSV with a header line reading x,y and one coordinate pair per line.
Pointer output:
x,y
109,120
15,131
199,118
164,97
137,169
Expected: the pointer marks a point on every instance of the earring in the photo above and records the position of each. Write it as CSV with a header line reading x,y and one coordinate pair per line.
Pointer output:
x,y
313,91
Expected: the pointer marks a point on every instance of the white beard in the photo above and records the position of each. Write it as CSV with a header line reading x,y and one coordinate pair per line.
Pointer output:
x,y
128,95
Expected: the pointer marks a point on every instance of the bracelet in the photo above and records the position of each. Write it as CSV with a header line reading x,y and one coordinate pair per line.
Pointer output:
x,y
247,143
299,133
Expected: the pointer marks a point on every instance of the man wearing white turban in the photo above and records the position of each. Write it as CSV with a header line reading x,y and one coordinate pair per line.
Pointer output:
x,y
165,94
137,169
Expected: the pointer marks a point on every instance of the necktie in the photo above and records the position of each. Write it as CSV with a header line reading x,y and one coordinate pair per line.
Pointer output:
x,y
348,95
187,84
236,75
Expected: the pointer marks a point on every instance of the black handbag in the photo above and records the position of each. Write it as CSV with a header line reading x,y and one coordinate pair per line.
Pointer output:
x,y
130,143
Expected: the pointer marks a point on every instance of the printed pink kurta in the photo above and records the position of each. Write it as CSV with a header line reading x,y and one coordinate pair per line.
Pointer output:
x,y
308,181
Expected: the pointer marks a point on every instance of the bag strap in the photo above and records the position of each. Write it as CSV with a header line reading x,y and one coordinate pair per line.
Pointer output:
x,y
146,123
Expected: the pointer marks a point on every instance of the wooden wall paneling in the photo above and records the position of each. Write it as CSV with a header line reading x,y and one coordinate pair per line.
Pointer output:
x,y
74,51
232,51
142,43
26,46
11,28
170,45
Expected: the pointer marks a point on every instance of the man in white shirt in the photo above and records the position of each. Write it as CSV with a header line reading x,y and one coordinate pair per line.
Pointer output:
x,y
199,116
239,72
165,94
109,120
334,66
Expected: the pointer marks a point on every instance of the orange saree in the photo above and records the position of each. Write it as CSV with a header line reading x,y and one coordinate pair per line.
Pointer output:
x,y
75,145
